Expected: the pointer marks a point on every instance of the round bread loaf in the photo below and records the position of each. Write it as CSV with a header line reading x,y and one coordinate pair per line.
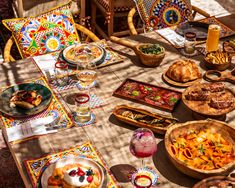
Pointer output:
x,y
183,71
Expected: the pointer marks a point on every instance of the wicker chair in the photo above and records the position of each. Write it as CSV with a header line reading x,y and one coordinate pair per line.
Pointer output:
x,y
109,9
132,12
7,49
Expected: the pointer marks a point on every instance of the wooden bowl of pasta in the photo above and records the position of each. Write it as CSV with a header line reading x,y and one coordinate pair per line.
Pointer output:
x,y
202,148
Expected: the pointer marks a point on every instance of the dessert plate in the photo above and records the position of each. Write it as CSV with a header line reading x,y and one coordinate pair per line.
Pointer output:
x,y
18,112
83,162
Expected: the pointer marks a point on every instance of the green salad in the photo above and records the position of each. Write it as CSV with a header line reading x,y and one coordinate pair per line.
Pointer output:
x,y
151,49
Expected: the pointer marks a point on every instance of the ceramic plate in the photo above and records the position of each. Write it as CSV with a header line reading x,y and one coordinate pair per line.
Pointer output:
x,y
98,58
6,95
199,28
145,171
72,161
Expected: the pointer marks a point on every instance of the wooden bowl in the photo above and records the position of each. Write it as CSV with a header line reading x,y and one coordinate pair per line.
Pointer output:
x,y
227,132
161,129
151,60
215,66
215,181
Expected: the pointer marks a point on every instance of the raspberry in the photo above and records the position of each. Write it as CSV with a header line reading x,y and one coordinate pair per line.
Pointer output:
x,y
80,173
89,179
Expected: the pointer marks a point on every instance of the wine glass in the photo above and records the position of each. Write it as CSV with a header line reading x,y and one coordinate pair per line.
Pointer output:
x,y
86,74
86,69
143,143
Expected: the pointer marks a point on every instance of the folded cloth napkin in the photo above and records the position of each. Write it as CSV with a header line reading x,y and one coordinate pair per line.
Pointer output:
x,y
170,35
30,128
47,64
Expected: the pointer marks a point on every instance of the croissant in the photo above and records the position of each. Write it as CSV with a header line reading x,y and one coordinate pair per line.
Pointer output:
x,y
183,71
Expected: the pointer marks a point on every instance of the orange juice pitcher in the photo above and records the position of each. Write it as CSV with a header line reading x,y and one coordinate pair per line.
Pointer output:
x,y
212,42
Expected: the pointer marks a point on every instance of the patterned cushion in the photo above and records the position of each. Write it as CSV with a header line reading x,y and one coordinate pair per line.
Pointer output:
x,y
45,33
158,14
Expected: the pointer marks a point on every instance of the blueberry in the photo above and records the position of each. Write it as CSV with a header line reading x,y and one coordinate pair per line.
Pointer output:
x,y
89,172
81,178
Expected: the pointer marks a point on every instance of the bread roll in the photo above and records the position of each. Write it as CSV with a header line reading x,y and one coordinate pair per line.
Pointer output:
x,y
183,71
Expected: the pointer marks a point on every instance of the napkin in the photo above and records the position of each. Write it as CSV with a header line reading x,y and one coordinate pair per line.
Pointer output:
x,y
172,37
30,128
46,63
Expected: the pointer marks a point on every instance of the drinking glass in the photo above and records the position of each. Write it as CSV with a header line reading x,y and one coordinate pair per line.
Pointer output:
x,y
212,42
61,73
83,109
86,73
143,143
190,41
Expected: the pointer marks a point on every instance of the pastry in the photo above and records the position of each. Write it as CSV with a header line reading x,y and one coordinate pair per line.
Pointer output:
x,y
25,99
183,71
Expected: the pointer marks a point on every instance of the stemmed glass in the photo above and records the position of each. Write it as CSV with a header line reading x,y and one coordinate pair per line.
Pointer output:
x,y
142,145
86,74
86,69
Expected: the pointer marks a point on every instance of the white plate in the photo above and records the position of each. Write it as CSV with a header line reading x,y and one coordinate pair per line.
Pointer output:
x,y
88,45
70,160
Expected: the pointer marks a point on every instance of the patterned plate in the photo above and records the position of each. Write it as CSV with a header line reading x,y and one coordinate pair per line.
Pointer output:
x,y
83,162
98,60
145,171
6,95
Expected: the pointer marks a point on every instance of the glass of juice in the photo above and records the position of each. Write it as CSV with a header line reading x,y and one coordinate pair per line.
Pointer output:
x,y
212,42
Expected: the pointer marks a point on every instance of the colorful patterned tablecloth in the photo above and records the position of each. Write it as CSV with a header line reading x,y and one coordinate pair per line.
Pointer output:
x,y
35,167
65,119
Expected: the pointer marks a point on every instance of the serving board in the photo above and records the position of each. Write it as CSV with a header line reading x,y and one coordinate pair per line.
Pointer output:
x,y
148,94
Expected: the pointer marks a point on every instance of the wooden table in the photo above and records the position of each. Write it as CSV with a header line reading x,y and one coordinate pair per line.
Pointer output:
x,y
108,135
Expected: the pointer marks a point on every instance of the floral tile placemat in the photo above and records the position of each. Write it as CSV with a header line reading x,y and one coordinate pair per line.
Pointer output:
x,y
35,167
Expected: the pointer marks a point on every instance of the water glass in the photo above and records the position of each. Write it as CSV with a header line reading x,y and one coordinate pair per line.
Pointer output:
x,y
190,42
61,73
83,109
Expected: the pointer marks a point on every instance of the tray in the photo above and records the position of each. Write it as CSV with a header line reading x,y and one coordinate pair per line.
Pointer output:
x,y
148,94
199,28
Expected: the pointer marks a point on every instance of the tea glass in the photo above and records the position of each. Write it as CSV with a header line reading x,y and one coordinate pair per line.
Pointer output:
x,y
61,73
190,42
